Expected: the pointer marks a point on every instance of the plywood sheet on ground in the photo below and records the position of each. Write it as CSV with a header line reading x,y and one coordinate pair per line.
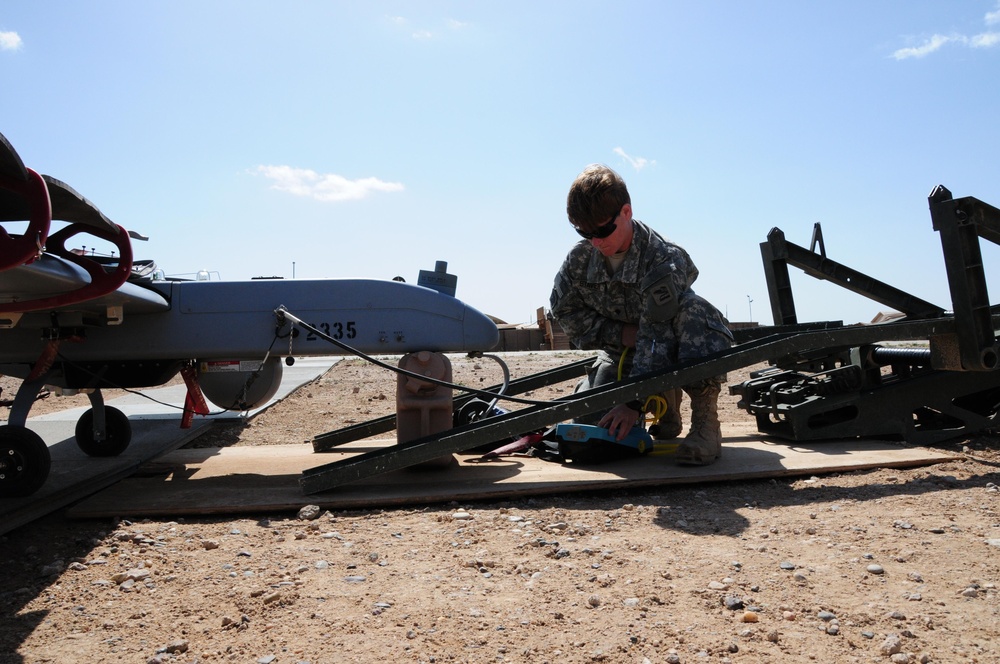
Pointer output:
x,y
74,475
266,479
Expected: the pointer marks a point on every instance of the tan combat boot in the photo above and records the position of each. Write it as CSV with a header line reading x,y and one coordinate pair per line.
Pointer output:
x,y
670,425
703,444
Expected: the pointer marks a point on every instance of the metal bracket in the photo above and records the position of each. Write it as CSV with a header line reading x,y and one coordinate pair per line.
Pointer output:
x,y
778,253
960,223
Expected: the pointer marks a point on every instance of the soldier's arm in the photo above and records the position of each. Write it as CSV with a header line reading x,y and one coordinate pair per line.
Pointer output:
x,y
586,327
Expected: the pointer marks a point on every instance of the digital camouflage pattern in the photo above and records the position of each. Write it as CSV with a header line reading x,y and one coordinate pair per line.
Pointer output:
x,y
651,289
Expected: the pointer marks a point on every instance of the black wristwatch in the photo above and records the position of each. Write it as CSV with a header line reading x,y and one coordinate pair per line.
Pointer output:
x,y
635,405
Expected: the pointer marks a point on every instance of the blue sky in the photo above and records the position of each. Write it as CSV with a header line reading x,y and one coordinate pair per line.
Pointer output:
x,y
348,139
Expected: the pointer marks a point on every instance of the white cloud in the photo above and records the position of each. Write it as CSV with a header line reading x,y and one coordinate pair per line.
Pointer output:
x,y
326,187
993,18
638,163
931,45
10,41
420,33
417,33
985,40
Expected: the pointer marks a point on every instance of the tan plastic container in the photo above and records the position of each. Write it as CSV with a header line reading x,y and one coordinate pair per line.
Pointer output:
x,y
422,407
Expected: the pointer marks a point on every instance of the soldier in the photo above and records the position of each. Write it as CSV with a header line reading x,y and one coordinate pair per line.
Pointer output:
x,y
625,291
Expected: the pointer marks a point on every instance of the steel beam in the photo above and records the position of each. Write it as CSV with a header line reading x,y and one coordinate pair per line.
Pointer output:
x,y
778,253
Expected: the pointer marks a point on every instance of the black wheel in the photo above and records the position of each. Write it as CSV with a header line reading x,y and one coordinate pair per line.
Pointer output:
x,y
24,461
471,410
118,433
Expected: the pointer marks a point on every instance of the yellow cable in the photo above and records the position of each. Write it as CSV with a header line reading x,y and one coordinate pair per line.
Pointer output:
x,y
659,408
659,403
621,363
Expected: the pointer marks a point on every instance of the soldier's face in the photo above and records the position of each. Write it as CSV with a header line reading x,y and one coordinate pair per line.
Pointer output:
x,y
619,240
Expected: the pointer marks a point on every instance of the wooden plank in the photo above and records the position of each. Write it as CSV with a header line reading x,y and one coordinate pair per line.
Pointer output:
x,y
265,479
74,475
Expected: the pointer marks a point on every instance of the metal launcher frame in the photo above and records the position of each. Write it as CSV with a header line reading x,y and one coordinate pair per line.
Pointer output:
x,y
919,394
824,380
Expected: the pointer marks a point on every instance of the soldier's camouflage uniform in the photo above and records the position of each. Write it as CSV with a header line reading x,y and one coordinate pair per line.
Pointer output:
x,y
651,289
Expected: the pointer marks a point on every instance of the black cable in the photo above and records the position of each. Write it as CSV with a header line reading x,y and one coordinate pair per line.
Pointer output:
x,y
283,313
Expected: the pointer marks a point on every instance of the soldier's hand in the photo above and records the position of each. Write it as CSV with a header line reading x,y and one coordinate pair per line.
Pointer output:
x,y
619,421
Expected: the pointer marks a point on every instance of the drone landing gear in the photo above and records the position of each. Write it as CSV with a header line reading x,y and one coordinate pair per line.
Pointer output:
x,y
24,457
24,461
102,431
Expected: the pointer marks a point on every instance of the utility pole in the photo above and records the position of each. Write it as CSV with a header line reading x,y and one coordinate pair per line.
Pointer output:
x,y
750,307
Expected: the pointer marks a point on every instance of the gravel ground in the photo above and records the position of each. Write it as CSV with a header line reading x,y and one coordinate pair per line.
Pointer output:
x,y
874,566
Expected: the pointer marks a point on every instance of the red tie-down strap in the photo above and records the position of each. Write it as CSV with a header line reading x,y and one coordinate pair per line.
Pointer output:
x,y
102,281
518,446
194,402
22,249
45,360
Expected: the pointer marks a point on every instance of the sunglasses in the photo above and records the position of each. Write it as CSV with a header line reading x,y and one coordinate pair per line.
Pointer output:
x,y
602,231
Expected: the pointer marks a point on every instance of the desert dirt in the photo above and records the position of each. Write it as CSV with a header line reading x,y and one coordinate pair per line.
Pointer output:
x,y
872,566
